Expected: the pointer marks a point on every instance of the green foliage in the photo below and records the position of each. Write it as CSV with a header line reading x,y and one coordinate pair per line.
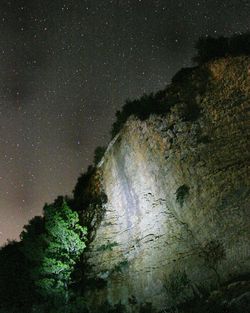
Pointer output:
x,y
54,252
121,267
36,275
209,48
108,247
98,154
181,193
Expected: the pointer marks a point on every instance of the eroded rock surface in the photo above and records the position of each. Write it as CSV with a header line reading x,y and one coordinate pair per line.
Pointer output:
x,y
178,196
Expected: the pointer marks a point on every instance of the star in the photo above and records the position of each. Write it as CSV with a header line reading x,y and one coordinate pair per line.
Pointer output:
x,y
68,66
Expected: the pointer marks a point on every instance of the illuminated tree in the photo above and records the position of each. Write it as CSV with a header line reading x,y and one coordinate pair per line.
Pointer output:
x,y
54,251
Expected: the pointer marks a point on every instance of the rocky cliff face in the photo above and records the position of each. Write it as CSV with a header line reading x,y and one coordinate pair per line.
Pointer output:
x,y
177,216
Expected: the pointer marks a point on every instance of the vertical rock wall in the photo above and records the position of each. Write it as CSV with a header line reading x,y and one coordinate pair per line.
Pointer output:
x,y
178,198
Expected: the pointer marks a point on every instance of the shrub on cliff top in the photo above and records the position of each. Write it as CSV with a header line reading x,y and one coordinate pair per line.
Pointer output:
x,y
141,108
209,48
98,154
80,196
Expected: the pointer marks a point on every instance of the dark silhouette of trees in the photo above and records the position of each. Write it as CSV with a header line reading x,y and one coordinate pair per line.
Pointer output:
x,y
98,154
16,288
81,197
36,273
209,48
141,108
42,266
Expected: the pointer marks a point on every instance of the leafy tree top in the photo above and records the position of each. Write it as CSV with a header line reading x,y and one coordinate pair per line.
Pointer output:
x,y
209,48
54,251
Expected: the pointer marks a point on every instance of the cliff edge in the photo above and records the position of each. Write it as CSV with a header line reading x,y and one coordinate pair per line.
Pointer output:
x,y
176,220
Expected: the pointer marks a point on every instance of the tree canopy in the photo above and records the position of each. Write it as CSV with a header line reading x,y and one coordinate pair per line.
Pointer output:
x,y
37,273
54,251
209,48
141,108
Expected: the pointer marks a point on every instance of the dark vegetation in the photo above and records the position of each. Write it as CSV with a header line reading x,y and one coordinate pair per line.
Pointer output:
x,y
44,272
81,197
16,286
108,246
41,272
181,193
36,274
213,253
141,108
175,286
98,154
209,48
161,102
231,297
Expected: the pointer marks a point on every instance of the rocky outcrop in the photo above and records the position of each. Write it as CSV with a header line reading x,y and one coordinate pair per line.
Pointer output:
x,y
177,217
233,297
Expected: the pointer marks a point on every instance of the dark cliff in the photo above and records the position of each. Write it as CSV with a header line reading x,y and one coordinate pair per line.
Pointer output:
x,y
177,186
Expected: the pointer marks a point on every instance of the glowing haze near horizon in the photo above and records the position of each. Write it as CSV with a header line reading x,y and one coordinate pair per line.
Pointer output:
x,y
67,66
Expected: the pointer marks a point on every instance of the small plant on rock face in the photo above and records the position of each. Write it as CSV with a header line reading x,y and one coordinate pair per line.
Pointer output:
x,y
181,193
132,300
175,285
121,267
108,247
213,252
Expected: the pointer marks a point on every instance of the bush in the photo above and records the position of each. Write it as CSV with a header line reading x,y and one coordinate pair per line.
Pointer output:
x,y
181,193
141,108
81,199
98,154
209,48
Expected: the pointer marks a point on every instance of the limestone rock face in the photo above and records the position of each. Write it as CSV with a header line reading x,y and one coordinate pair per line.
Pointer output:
x,y
177,215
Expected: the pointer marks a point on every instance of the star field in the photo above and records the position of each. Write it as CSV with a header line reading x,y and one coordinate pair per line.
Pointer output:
x,y
67,66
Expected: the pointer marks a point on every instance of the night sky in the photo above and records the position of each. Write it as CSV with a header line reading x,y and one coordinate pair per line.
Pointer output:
x,y
67,66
